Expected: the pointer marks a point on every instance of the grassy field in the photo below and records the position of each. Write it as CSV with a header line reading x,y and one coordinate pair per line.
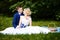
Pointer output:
x,y
7,22
50,36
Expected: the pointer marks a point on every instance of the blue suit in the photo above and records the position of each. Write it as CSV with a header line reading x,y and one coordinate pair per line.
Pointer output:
x,y
16,19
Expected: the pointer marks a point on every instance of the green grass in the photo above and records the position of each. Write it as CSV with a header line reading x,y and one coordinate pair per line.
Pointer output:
x,y
45,23
50,36
7,22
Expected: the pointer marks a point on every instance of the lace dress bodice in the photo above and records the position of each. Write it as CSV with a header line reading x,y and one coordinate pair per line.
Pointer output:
x,y
25,21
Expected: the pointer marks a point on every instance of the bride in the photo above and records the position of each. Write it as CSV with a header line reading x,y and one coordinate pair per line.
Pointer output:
x,y
26,19
25,26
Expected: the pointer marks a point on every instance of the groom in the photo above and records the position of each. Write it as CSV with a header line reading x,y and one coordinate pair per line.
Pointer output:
x,y
17,15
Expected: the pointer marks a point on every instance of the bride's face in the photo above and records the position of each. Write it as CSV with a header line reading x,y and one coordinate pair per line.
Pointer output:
x,y
25,12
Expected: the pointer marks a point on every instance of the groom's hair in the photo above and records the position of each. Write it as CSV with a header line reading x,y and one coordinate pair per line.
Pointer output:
x,y
18,7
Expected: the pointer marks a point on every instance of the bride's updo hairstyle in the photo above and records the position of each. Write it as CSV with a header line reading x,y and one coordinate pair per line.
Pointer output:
x,y
27,11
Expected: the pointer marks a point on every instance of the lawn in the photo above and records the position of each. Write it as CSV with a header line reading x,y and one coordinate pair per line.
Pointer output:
x,y
7,22
50,36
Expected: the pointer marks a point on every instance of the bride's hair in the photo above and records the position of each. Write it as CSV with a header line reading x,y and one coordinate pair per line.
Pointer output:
x,y
28,11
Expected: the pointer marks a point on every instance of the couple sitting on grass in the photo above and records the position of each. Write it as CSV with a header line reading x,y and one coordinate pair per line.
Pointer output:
x,y
22,24
22,18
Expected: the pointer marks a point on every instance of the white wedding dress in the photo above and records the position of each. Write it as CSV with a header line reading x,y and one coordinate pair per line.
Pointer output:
x,y
26,30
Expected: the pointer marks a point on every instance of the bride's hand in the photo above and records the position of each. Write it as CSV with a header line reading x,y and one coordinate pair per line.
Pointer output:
x,y
17,27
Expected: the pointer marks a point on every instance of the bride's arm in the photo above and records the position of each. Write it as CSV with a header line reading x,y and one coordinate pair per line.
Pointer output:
x,y
19,23
30,22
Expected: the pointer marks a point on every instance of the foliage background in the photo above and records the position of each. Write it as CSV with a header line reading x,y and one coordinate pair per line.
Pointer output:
x,y
41,9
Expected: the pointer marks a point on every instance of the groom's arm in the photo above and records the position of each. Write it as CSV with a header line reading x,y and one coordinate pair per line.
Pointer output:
x,y
14,21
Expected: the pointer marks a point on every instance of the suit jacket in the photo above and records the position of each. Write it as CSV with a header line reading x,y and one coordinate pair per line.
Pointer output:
x,y
16,19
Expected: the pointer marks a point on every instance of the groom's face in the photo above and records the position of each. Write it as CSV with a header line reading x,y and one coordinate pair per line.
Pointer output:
x,y
20,10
